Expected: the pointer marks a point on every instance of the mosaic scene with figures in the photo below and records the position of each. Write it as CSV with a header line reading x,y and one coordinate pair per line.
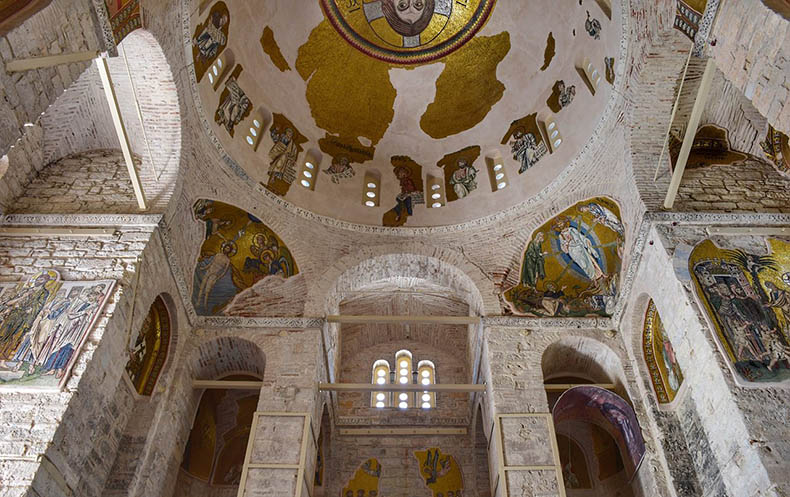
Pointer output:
x,y
394,248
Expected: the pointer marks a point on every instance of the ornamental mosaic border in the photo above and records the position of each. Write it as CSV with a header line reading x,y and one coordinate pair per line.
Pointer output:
x,y
607,118
103,18
705,28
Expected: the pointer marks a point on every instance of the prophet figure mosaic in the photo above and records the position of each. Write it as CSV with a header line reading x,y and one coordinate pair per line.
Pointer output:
x,y
43,325
409,175
665,372
460,174
148,351
238,251
344,154
747,297
124,17
440,472
210,39
365,482
407,31
287,144
562,96
571,266
234,105
527,146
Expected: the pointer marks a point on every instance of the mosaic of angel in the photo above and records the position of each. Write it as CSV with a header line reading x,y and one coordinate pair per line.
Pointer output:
x,y
238,252
747,298
572,263
43,325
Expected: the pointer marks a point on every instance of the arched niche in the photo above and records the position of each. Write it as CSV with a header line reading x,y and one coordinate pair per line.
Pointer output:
x,y
216,443
659,356
149,348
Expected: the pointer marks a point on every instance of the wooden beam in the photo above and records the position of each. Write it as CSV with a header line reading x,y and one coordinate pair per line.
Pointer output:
x,y
120,129
21,65
461,320
745,230
369,387
401,431
227,385
557,387
691,131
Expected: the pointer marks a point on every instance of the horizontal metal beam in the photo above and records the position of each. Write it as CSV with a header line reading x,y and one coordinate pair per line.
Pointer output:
x,y
58,232
557,387
461,320
749,230
227,385
369,387
401,431
21,65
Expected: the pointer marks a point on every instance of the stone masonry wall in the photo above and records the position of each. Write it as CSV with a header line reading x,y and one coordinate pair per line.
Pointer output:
x,y
93,182
63,26
23,161
754,186
400,469
753,51
42,423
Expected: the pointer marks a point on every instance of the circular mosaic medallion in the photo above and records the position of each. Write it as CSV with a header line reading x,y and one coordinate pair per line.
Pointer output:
x,y
407,31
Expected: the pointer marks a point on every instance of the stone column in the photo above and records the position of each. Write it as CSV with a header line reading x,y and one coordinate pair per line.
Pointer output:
x,y
281,454
523,448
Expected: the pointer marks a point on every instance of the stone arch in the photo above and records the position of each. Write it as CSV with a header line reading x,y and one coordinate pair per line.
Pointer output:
x,y
226,355
583,357
443,266
79,121
161,316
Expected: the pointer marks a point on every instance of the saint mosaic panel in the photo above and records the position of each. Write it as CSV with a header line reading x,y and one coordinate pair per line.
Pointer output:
x,y
238,251
665,373
148,351
43,324
571,266
747,298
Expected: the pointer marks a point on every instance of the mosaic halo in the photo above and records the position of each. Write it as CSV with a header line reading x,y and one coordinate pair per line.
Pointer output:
x,y
367,26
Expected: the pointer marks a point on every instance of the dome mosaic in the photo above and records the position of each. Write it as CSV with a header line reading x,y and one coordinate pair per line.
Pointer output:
x,y
406,113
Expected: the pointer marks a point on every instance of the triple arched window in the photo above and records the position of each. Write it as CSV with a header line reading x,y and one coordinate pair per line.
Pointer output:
x,y
404,373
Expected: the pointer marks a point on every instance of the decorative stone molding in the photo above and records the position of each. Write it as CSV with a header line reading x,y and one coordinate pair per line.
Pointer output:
x,y
535,324
82,220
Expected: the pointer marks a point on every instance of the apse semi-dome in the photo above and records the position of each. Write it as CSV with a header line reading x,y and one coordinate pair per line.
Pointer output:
x,y
404,112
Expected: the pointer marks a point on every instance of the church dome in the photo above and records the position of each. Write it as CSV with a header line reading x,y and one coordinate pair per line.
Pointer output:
x,y
412,113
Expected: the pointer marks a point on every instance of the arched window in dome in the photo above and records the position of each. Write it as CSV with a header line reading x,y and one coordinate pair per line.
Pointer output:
x,y
381,376
404,373
148,350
